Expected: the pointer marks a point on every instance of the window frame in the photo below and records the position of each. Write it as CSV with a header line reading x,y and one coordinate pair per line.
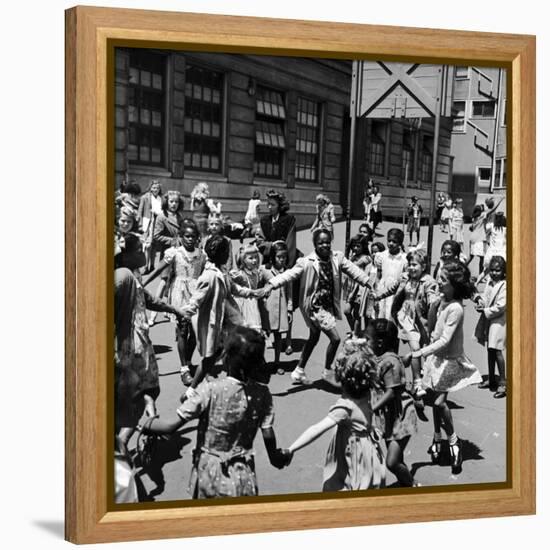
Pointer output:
x,y
410,147
460,77
485,183
271,121
500,171
223,90
320,105
376,139
138,125
425,151
483,117
464,117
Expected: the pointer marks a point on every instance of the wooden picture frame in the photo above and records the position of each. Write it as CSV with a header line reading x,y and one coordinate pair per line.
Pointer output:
x,y
90,33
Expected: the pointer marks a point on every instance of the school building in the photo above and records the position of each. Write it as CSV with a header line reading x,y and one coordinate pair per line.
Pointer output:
x,y
247,122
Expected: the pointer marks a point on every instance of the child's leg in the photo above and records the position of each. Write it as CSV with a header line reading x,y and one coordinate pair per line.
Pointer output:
x,y
481,260
455,447
314,334
356,319
348,312
332,348
277,350
288,343
158,294
416,367
501,364
395,463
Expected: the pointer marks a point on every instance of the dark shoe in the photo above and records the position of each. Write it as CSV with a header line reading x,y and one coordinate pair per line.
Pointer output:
x,y
456,457
500,393
486,384
435,451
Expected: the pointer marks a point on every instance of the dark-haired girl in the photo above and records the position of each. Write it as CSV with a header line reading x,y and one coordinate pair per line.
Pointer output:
x,y
355,458
492,307
186,265
447,369
497,243
399,418
230,410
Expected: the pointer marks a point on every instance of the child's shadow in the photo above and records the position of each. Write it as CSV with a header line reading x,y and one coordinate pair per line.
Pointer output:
x,y
429,401
470,451
167,450
317,385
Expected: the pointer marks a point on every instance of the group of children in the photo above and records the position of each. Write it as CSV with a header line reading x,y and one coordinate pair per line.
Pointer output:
x,y
227,307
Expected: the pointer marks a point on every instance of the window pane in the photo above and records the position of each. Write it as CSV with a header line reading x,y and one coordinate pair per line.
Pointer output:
x,y
307,140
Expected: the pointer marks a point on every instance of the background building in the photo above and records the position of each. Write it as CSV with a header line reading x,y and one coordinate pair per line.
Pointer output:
x,y
478,144
246,122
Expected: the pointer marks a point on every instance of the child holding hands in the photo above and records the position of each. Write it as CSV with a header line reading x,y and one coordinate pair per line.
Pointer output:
x,y
355,459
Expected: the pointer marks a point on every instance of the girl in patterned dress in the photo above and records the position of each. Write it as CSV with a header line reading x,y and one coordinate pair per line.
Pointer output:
x,y
355,458
279,302
447,369
187,263
396,404
230,410
352,293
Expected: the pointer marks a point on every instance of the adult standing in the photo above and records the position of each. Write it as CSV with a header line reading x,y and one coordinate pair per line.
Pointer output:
x,y
150,206
325,214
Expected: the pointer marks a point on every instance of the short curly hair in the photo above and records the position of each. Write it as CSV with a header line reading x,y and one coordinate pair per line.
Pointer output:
x,y
217,249
280,198
355,368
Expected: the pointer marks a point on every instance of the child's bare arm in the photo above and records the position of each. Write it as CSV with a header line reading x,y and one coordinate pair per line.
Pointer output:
x,y
160,268
384,400
312,433
159,426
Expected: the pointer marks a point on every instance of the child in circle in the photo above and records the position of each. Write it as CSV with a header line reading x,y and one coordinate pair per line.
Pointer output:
x,y
447,369
186,264
411,304
492,306
393,265
369,308
320,275
231,409
398,411
352,294
279,303
211,308
215,228
355,459
250,276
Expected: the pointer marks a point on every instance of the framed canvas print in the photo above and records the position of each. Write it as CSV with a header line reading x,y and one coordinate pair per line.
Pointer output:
x,y
294,293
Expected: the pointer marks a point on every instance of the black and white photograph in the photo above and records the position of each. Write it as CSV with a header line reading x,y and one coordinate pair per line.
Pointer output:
x,y
310,275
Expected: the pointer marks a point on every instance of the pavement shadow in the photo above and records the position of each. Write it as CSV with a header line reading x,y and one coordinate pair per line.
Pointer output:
x,y
470,451
317,385
429,401
166,450
287,366
298,344
161,348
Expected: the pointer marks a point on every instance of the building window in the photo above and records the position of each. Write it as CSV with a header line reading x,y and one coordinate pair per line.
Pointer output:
x,y
377,156
407,158
500,174
483,109
308,121
203,119
269,153
427,158
459,116
146,107
462,72
483,176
